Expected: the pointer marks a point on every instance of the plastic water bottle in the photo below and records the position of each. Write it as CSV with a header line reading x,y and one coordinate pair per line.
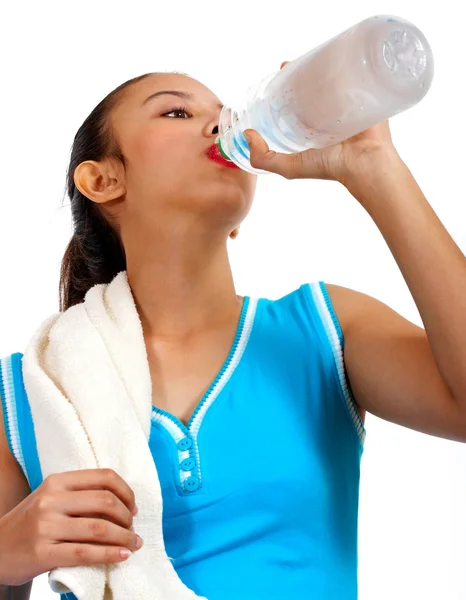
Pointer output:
x,y
363,76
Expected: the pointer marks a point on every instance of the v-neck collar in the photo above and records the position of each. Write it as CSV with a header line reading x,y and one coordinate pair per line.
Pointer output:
x,y
240,341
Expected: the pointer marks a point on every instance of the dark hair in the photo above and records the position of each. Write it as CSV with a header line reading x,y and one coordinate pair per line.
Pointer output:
x,y
95,253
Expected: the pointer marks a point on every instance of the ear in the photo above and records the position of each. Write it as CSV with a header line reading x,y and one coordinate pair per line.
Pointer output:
x,y
100,181
234,233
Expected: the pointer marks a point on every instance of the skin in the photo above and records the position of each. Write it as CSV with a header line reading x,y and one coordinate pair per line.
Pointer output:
x,y
174,208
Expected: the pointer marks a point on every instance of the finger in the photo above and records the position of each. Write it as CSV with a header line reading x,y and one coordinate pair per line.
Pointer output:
x,y
261,157
95,531
76,555
95,503
95,479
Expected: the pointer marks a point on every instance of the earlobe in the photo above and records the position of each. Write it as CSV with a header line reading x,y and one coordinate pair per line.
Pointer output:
x,y
98,182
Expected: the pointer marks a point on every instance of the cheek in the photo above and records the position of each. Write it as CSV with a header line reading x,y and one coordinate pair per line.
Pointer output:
x,y
155,152
161,166
172,148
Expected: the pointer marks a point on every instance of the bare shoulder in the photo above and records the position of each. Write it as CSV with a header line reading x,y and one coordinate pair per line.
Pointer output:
x,y
357,308
348,303
364,319
14,486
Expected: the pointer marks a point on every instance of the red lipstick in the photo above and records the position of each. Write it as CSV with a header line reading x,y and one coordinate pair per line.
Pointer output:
x,y
215,155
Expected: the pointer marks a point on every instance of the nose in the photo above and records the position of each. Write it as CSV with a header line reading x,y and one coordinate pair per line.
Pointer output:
x,y
211,126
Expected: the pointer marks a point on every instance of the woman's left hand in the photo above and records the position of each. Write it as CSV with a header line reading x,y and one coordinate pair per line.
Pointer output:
x,y
340,162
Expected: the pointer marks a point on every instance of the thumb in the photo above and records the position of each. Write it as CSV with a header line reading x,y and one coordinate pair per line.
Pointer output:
x,y
261,157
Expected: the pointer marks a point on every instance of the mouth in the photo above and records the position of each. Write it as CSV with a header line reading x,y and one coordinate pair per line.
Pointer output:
x,y
215,155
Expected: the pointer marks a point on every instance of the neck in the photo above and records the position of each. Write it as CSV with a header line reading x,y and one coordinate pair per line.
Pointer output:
x,y
182,291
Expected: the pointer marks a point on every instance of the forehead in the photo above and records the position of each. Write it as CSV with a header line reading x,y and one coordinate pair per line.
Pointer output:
x,y
135,95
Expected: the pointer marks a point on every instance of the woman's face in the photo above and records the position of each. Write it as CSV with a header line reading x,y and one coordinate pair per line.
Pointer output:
x,y
165,139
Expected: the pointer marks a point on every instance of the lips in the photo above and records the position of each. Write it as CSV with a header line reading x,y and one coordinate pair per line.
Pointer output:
x,y
215,155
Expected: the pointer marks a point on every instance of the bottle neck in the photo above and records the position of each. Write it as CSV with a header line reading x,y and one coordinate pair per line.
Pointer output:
x,y
234,120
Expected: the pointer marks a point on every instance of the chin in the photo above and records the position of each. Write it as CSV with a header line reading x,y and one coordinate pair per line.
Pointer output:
x,y
225,203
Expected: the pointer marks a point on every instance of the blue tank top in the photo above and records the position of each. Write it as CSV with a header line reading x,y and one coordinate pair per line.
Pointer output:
x,y
260,489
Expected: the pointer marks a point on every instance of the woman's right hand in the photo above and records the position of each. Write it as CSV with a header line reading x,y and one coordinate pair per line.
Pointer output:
x,y
72,519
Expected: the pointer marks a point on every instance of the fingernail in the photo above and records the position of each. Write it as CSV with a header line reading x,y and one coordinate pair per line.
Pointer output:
x,y
125,553
135,510
139,541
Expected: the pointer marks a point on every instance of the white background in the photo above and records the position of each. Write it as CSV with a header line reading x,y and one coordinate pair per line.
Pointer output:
x,y
59,60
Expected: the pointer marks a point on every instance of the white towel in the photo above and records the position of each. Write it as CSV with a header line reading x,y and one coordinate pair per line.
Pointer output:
x,y
88,382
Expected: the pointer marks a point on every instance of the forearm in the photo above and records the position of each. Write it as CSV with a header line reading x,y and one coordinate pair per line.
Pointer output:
x,y
19,592
431,263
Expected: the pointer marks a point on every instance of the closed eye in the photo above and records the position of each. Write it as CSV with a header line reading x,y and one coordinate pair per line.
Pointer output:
x,y
178,111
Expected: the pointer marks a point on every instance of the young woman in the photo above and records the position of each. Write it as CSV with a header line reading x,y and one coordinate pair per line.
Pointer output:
x,y
273,393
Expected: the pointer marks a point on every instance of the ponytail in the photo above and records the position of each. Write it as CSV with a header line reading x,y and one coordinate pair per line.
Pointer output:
x,y
94,254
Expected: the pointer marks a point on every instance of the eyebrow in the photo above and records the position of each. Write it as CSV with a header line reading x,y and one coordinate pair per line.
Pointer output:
x,y
178,93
